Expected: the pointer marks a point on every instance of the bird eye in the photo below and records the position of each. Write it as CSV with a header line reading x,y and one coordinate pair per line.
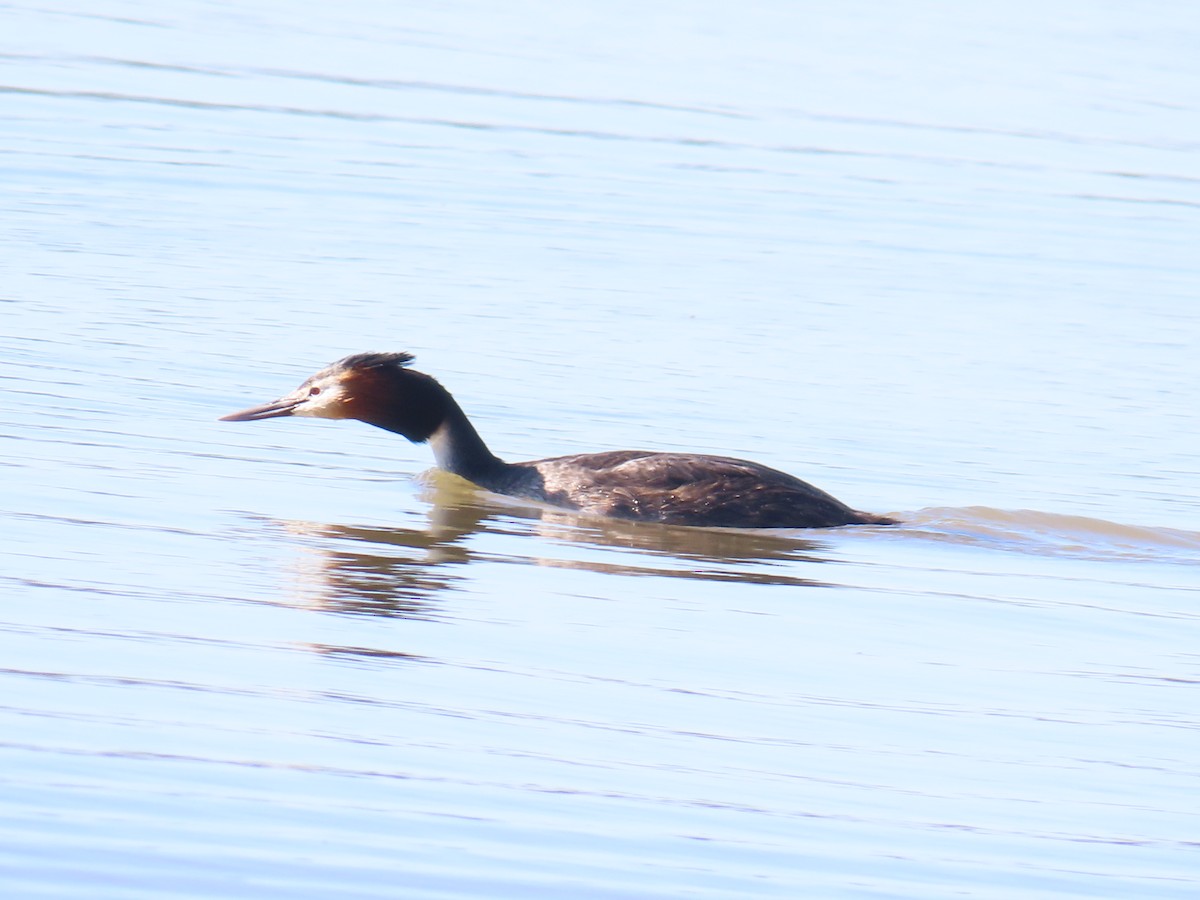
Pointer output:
x,y
313,391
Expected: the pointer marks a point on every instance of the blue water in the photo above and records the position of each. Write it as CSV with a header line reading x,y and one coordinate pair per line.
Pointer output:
x,y
937,259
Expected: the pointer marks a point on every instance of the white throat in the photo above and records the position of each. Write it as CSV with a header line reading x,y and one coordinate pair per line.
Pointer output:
x,y
442,444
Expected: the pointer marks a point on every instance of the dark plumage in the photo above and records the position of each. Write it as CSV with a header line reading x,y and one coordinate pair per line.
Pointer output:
x,y
673,488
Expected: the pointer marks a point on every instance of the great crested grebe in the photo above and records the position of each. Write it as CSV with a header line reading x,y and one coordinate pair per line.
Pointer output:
x,y
672,488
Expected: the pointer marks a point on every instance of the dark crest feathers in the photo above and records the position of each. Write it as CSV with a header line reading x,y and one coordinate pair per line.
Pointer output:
x,y
376,360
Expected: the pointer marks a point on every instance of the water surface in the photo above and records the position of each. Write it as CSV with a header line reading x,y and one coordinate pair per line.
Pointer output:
x,y
939,261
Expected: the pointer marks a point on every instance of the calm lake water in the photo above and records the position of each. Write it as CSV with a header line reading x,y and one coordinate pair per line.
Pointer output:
x,y
939,259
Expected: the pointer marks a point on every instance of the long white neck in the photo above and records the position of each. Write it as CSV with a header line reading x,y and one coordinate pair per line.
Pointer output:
x,y
458,448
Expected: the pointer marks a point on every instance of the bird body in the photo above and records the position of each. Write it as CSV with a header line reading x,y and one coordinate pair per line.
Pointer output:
x,y
671,488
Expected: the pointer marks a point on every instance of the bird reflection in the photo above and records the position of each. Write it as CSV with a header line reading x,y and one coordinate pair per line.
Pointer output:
x,y
407,573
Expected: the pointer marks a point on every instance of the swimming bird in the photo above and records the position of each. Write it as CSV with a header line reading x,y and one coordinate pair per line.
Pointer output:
x,y
673,488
